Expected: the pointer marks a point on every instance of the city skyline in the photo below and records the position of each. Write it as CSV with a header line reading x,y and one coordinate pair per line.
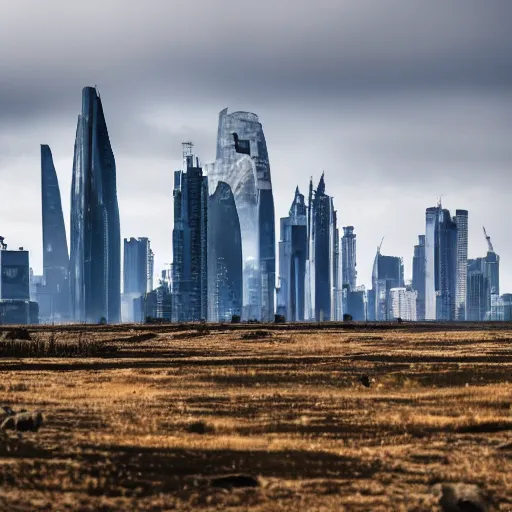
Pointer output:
x,y
390,143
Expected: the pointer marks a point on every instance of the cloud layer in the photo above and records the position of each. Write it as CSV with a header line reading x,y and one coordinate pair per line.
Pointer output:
x,y
399,101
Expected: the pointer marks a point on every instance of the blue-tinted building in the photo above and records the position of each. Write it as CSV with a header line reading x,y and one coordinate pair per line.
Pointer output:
x,y
388,273
95,256
225,272
53,294
293,248
189,242
242,162
418,276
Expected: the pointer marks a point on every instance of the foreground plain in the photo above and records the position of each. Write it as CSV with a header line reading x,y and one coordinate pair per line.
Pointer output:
x,y
144,417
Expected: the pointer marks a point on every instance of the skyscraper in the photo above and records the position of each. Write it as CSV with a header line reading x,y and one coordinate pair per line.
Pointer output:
x,y
138,262
445,249
242,162
55,291
431,261
478,290
388,273
418,276
461,279
447,269
292,259
189,279
348,251
323,290
95,260
225,274
403,303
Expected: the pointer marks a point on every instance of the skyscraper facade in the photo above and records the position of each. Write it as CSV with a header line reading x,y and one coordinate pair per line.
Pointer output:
x,y
225,273
403,303
348,252
138,266
478,290
189,279
95,256
242,162
292,260
447,269
53,295
418,276
431,261
461,278
388,273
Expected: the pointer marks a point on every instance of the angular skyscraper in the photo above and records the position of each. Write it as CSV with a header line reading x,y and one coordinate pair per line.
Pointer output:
x,y
189,242
478,291
461,277
54,294
292,260
95,259
431,260
348,251
447,269
323,287
418,276
242,162
225,276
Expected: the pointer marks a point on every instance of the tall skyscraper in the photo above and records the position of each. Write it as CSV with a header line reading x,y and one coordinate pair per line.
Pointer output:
x,y
431,261
242,162
388,273
225,273
461,279
348,251
445,248
447,270
292,260
323,290
189,238
53,295
418,276
478,291
95,259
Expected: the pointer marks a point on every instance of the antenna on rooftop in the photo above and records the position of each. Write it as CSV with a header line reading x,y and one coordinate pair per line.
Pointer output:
x,y
188,150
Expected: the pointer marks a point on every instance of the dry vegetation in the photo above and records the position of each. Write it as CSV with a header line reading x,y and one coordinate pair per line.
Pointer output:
x,y
144,418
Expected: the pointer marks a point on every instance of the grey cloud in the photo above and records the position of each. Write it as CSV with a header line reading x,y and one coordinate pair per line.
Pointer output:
x,y
397,100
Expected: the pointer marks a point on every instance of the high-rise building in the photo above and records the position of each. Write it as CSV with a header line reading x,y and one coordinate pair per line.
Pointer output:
x,y
242,162
403,303
138,266
355,303
15,304
478,290
137,277
461,279
388,273
418,276
447,269
348,251
323,290
292,260
445,248
53,293
225,273
189,239
431,261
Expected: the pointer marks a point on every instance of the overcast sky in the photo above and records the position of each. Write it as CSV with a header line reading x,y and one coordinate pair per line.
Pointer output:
x,y
398,101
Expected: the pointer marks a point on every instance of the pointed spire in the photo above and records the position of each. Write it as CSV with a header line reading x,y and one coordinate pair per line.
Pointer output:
x,y
321,185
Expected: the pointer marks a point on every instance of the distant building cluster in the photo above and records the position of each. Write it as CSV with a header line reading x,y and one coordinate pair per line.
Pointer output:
x,y
224,249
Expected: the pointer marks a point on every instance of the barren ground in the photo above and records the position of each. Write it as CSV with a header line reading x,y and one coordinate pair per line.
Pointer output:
x,y
145,424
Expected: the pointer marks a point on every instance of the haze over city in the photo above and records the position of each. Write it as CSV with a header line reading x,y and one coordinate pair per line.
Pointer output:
x,y
398,102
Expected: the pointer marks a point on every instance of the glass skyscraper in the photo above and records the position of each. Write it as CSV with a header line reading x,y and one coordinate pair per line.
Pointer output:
x,y
348,251
388,273
461,279
189,237
225,275
242,162
418,276
54,294
95,256
292,260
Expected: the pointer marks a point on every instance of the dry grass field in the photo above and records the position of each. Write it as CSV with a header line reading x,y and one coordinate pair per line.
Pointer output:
x,y
147,417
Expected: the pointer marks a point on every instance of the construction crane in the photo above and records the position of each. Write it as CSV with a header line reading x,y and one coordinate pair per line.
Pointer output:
x,y
488,238
380,245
